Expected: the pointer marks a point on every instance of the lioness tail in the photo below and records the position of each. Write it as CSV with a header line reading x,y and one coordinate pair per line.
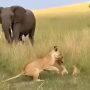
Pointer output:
x,y
12,78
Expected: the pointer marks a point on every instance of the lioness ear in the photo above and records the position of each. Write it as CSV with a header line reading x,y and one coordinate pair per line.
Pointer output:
x,y
55,48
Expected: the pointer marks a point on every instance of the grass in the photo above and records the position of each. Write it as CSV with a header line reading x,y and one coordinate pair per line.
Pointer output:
x,y
71,33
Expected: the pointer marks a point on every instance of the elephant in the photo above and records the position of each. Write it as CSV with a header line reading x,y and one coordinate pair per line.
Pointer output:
x,y
17,21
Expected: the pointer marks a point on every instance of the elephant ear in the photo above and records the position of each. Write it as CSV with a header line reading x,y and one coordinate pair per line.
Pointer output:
x,y
0,14
19,13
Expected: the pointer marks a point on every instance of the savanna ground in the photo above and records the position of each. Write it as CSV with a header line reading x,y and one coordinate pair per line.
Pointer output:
x,y
71,33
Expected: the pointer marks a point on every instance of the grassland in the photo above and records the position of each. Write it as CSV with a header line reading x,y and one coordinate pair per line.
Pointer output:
x,y
72,9
71,33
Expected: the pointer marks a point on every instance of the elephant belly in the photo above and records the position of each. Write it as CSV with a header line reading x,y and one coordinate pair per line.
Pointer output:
x,y
26,28
28,24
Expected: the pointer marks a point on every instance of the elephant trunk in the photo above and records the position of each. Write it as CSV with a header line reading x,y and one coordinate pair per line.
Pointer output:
x,y
6,23
7,31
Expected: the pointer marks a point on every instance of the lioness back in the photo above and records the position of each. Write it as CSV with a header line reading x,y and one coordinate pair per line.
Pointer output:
x,y
39,63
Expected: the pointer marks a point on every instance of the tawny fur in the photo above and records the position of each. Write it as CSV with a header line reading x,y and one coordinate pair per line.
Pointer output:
x,y
76,71
38,65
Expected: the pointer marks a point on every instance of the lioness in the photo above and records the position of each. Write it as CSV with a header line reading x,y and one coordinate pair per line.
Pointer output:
x,y
38,65
45,63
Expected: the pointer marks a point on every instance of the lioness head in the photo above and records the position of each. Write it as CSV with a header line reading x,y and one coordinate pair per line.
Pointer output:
x,y
57,55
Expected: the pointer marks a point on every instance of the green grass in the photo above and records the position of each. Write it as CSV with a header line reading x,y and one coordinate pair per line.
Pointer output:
x,y
71,33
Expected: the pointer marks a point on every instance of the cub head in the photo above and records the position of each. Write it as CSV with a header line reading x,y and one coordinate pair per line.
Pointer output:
x,y
57,55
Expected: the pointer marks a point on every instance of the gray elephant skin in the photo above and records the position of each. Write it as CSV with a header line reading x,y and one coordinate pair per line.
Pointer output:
x,y
17,21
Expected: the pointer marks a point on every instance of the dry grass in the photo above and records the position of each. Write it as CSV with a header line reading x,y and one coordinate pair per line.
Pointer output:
x,y
71,33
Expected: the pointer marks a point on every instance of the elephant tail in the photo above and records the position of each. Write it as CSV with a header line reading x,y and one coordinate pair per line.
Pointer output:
x,y
22,73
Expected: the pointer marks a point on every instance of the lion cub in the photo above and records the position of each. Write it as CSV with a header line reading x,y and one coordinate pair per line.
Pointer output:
x,y
45,63
61,66
76,71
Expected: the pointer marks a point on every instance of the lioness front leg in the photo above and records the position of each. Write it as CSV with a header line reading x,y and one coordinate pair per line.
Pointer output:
x,y
52,68
35,74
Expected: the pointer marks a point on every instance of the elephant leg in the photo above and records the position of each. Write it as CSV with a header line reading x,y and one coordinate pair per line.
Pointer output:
x,y
7,36
31,36
20,37
16,32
